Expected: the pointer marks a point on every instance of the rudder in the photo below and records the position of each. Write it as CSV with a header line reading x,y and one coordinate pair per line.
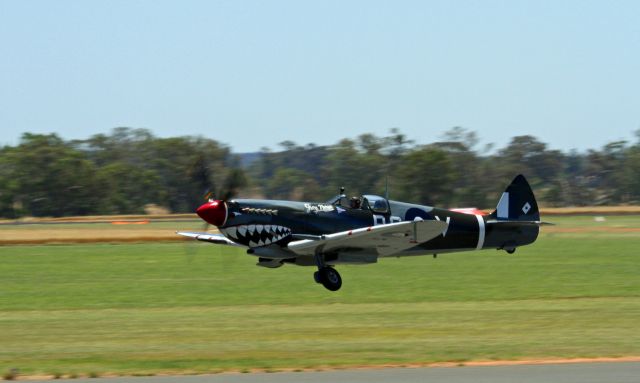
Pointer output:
x,y
517,203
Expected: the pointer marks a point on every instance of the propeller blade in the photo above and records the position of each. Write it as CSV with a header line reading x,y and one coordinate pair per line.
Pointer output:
x,y
191,246
235,180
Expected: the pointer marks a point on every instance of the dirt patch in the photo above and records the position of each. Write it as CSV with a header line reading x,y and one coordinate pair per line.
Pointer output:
x,y
581,210
120,234
372,367
590,210
539,361
114,239
482,363
103,218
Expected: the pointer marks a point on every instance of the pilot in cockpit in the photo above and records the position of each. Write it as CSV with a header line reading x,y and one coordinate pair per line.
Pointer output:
x,y
355,202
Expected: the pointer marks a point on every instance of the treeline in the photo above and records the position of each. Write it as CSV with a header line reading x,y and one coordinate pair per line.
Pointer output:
x,y
129,171
120,173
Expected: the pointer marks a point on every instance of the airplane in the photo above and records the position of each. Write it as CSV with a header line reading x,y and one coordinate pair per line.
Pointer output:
x,y
363,229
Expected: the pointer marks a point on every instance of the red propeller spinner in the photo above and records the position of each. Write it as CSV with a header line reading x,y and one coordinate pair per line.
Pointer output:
x,y
214,212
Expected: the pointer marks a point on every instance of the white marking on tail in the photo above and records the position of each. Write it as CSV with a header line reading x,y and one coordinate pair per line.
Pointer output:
x,y
503,206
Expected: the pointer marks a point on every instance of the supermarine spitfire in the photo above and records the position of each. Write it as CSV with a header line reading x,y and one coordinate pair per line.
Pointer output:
x,y
361,230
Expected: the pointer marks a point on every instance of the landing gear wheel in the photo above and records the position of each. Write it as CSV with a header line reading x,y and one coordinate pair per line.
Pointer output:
x,y
510,251
329,278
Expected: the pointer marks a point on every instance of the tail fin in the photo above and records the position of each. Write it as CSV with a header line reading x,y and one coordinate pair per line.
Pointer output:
x,y
517,203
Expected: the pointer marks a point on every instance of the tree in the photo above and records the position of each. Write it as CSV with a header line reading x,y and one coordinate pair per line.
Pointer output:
x,y
605,170
8,184
126,189
50,178
426,176
122,171
630,175
347,167
469,183
290,183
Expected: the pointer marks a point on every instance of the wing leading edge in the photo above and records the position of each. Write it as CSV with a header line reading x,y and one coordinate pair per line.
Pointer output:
x,y
209,237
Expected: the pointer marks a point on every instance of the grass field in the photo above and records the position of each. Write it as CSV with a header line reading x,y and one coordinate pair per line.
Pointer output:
x,y
175,307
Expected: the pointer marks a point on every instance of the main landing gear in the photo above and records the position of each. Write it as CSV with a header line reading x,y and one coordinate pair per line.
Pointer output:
x,y
327,275
329,278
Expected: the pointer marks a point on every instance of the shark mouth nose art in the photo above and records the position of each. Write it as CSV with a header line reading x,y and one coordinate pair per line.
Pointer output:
x,y
256,235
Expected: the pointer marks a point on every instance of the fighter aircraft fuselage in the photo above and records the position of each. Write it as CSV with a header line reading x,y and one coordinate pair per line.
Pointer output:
x,y
255,223
362,229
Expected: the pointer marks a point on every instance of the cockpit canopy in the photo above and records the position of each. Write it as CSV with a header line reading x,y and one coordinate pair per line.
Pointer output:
x,y
376,204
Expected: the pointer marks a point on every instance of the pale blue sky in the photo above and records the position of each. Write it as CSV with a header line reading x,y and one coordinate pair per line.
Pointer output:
x,y
255,73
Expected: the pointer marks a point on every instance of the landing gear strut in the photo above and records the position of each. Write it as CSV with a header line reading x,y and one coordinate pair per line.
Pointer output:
x,y
327,275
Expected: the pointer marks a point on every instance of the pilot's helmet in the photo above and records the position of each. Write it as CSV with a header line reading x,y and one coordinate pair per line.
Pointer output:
x,y
355,202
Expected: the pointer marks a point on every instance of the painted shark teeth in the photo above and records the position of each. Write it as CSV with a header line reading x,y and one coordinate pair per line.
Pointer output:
x,y
231,232
256,235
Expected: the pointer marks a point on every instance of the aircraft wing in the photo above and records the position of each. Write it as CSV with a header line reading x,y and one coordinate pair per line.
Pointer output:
x,y
209,237
383,239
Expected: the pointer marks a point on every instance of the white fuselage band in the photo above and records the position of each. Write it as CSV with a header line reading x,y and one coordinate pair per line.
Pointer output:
x,y
481,232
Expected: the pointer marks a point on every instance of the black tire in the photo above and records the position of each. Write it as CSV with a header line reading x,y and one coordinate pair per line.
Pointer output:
x,y
510,251
316,277
330,278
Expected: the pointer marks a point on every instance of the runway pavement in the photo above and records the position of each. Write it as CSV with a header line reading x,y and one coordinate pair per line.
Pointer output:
x,y
599,372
